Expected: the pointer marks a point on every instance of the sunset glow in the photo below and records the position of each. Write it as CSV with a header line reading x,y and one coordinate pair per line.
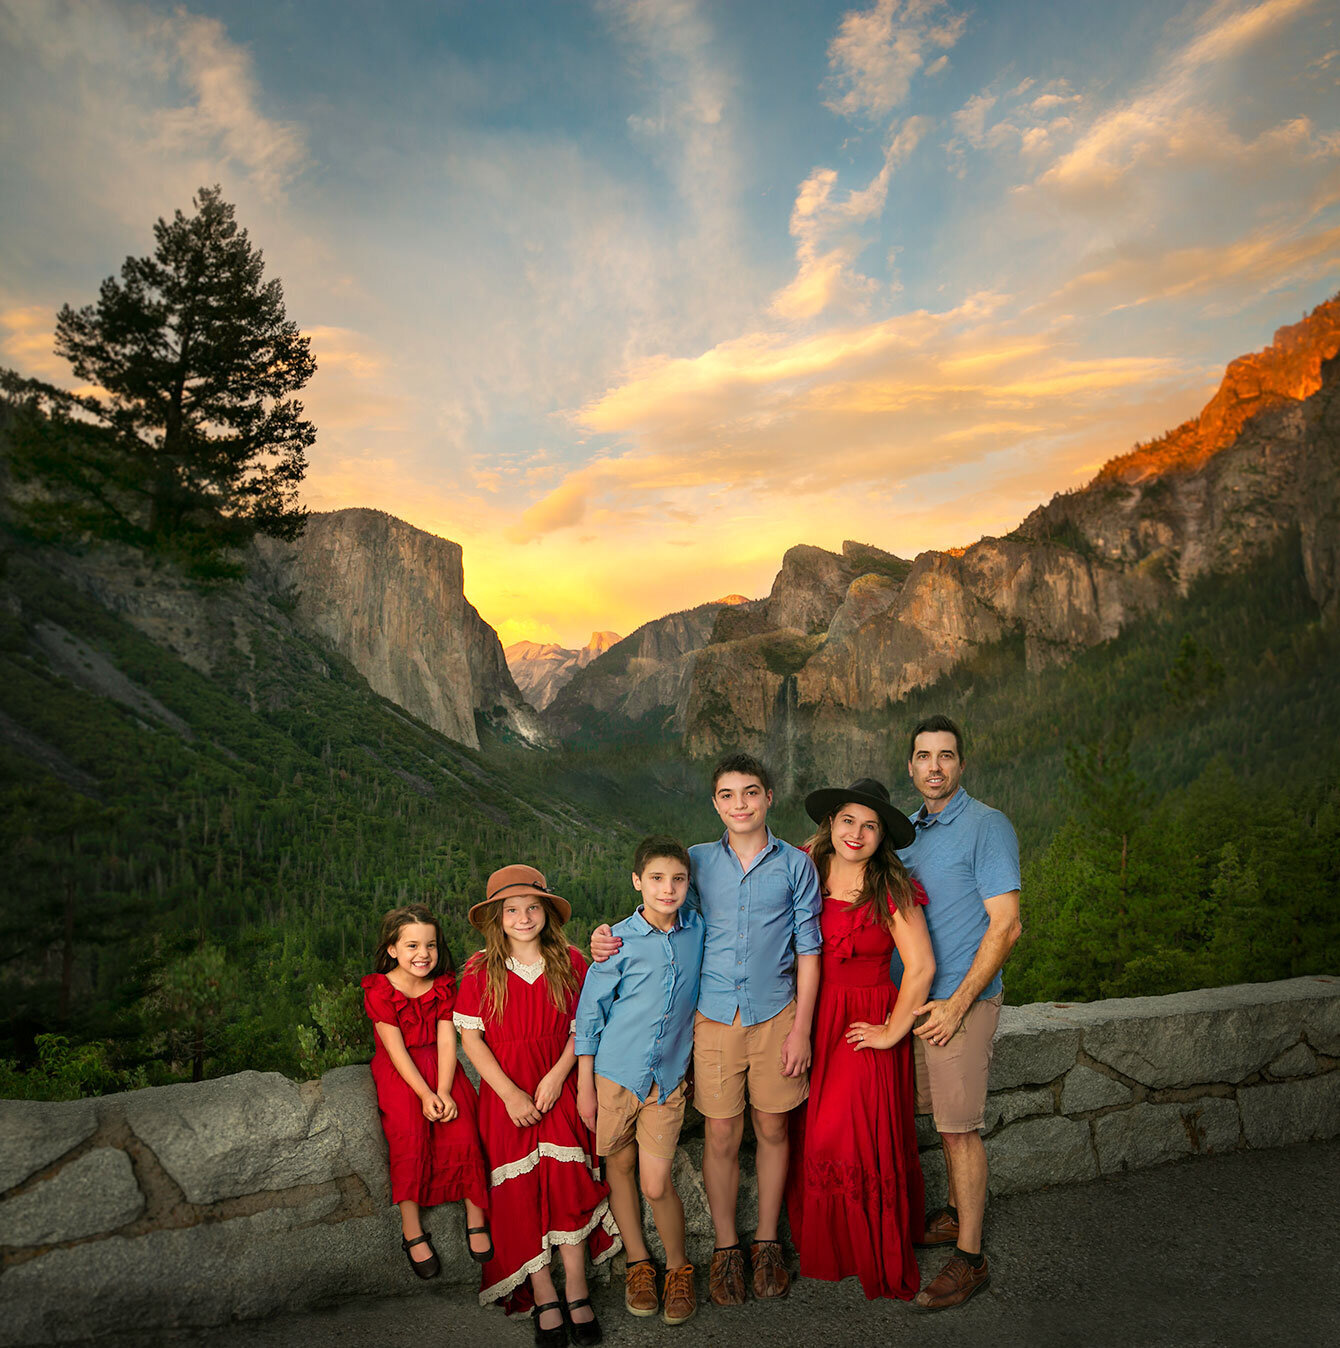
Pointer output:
x,y
629,297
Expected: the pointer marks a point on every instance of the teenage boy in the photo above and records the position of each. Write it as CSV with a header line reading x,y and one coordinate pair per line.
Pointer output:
x,y
634,1032
760,901
966,856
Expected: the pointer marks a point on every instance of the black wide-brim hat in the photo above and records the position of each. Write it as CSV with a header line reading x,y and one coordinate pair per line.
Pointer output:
x,y
828,800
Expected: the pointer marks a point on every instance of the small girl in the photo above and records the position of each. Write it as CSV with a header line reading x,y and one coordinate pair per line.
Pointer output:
x,y
515,1011
429,1114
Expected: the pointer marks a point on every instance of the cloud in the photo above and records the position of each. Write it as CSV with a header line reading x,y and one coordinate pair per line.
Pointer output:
x,y
1260,261
877,52
827,243
1166,122
223,116
763,415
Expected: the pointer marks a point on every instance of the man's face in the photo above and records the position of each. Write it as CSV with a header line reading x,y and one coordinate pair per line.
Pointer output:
x,y
935,767
741,802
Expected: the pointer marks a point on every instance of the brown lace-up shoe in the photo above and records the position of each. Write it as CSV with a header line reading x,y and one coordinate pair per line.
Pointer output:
x,y
941,1229
953,1285
725,1277
639,1289
680,1299
770,1276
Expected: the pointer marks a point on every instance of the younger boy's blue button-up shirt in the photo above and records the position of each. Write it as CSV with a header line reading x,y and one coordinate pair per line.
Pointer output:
x,y
758,920
635,1015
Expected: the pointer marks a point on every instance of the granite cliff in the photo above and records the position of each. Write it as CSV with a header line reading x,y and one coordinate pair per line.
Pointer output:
x,y
542,669
390,598
844,635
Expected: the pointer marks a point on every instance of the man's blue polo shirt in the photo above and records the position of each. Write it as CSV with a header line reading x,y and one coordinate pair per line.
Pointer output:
x,y
635,1015
964,855
758,920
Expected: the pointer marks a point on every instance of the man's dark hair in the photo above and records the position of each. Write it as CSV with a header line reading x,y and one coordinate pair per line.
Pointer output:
x,y
745,763
659,845
936,725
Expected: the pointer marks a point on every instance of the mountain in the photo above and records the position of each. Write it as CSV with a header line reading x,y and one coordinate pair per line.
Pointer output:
x,y
641,681
390,598
844,636
541,669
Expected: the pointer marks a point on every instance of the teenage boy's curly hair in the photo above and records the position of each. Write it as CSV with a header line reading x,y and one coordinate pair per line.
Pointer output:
x,y
745,763
659,845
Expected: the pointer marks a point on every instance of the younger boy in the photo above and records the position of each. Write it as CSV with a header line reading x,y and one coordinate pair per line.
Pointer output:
x,y
634,1040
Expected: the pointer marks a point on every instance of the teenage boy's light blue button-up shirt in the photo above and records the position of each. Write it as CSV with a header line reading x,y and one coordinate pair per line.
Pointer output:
x,y
964,855
758,920
635,1015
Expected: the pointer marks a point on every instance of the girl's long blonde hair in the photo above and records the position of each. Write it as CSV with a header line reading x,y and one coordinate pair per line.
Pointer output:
x,y
559,974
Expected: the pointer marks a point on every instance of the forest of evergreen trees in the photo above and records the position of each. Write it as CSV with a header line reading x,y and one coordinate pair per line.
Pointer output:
x,y
197,905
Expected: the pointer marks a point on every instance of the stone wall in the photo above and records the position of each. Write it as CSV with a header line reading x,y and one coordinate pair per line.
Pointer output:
x,y
235,1198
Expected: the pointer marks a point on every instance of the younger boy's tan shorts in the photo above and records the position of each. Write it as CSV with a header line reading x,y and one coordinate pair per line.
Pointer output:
x,y
622,1118
951,1078
726,1058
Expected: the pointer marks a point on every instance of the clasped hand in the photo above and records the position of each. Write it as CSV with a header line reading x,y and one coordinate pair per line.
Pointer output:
x,y
436,1109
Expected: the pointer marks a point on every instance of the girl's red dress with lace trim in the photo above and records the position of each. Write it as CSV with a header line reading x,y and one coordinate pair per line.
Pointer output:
x,y
855,1194
431,1163
545,1180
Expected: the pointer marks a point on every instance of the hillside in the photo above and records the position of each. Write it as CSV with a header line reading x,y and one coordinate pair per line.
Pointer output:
x,y
842,637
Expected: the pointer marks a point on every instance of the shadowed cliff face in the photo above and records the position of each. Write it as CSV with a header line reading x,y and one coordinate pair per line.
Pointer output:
x,y
852,633
390,598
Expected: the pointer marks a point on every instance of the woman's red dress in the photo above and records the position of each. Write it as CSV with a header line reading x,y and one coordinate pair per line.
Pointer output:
x,y
855,1195
431,1163
545,1185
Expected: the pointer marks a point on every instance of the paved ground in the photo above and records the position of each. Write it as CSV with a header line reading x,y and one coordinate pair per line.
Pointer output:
x,y
1241,1249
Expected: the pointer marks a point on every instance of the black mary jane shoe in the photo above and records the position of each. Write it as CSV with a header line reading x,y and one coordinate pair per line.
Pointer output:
x,y
557,1337
479,1231
586,1334
424,1268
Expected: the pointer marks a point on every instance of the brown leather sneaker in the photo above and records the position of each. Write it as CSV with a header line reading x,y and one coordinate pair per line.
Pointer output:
x,y
941,1229
725,1277
639,1289
770,1276
680,1299
953,1285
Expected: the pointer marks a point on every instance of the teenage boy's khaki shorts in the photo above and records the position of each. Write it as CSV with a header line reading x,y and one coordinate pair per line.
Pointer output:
x,y
726,1058
622,1118
951,1078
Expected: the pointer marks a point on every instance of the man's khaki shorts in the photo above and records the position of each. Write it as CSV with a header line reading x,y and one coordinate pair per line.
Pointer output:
x,y
725,1057
951,1078
622,1118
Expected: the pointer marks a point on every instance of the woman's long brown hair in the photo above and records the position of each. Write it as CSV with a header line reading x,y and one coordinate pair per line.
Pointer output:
x,y
885,874
558,971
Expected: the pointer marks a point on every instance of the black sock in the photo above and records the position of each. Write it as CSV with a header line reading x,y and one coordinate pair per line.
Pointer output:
x,y
974,1259
952,1211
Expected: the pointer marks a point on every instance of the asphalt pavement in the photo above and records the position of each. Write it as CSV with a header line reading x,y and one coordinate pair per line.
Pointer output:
x,y
1240,1249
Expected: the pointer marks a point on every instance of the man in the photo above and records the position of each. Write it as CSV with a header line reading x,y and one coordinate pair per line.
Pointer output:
x,y
966,856
759,899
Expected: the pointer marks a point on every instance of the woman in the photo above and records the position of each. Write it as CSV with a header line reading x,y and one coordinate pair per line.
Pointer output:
x,y
855,1194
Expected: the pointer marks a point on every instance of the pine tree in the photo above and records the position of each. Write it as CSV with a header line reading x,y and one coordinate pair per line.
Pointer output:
x,y
187,441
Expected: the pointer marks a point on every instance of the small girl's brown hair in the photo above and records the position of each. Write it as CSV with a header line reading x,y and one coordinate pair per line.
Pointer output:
x,y
394,923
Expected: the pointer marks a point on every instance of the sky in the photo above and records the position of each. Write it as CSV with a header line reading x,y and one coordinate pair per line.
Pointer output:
x,y
629,296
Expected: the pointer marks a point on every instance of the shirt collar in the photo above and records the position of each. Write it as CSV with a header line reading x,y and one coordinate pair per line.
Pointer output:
x,y
771,847
957,803
642,926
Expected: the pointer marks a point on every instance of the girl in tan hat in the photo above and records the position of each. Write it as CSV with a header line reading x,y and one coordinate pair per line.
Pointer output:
x,y
515,1011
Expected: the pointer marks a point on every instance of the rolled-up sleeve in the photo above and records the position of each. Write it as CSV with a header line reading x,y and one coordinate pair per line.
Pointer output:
x,y
602,982
808,904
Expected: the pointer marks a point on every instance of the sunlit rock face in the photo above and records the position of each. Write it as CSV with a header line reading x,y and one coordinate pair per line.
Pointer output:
x,y
390,598
844,634
543,669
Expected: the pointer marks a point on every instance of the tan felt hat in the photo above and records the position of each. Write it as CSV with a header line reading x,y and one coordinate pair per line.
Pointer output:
x,y
511,881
